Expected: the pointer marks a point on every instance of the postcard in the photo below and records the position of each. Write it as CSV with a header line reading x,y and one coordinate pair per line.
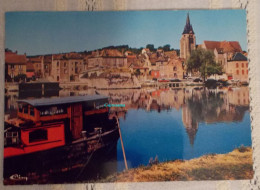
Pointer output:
x,y
130,96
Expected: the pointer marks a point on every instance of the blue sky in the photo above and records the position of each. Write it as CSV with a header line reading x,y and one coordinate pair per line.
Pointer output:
x,y
55,32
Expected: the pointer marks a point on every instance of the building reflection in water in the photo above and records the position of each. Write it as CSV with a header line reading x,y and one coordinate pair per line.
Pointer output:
x,y
199,105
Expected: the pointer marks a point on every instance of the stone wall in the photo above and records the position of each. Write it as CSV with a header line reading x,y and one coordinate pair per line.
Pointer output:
x,y
112,81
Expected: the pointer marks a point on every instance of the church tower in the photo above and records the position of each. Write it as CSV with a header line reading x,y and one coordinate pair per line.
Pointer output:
x,y
188,40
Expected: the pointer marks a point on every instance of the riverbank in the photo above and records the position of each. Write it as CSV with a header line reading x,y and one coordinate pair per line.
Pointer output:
x,y
235,165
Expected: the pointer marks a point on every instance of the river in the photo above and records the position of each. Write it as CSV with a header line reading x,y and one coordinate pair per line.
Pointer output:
x,y
169,123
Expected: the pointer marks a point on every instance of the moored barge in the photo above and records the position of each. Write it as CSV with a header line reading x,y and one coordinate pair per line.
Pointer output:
x,y
51,131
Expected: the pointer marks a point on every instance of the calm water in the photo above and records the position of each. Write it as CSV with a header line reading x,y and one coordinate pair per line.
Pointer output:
x,y
171,123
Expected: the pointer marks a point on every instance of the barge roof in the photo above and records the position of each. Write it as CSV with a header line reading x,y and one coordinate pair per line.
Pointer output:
x,y
62,100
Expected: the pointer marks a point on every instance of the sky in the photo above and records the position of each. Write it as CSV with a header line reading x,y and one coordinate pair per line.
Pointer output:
x,y
38,33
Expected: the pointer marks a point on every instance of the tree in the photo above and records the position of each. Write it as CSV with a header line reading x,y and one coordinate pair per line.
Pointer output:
x,y
20,77
203,61
167,47
150,47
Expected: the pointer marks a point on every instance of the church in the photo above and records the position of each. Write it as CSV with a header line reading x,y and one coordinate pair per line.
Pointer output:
x,y
228,54
188,40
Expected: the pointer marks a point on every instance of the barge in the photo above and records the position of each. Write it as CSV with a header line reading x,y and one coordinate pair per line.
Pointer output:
x,y
49,133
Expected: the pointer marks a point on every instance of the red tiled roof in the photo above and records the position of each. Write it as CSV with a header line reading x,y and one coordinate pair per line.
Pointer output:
x,y
35,59
223,46
13,58
29,67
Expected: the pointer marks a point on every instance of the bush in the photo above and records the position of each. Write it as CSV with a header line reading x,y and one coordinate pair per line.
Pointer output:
x,y
20,77
242,148
153,161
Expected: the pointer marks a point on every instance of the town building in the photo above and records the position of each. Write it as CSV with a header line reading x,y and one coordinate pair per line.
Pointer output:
x,y
188,40
237,68
223,50
66,67
46,69
107,59
14,65
30,72
166,65
37,63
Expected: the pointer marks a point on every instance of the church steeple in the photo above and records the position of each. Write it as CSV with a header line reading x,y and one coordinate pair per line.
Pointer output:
x,y
188,19
188,27
188,40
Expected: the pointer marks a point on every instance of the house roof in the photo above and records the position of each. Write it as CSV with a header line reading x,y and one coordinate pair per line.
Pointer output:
x,y
13,58
35,59
223,46
29,67
239,57
62,100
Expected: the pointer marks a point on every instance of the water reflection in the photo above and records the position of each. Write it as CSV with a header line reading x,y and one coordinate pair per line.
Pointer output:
x,y
171,123
197,104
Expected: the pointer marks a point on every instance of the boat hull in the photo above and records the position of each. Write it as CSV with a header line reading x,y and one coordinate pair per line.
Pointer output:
x,y
63,164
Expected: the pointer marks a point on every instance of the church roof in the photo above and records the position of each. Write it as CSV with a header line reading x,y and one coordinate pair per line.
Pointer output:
x,y
188,27
223,46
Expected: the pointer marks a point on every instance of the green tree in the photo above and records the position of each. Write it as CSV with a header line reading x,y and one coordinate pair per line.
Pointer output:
x,y
167,47
150,47
20,77
203,61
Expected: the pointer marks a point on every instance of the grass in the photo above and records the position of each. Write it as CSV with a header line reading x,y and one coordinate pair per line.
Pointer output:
x,y
234,165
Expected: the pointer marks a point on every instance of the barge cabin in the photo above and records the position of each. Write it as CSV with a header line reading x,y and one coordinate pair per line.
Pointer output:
x,y
48,123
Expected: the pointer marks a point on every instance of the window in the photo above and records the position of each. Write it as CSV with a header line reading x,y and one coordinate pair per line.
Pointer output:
x,y
246,64
243,72
237,72
38,135
20,108
175,68
31,111
65,71
246,71
19,66
25,110
12,66
58,64
236,65
65,64
242,64
55,110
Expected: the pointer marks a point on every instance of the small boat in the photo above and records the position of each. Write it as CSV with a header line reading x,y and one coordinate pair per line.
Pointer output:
x,y
53,130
